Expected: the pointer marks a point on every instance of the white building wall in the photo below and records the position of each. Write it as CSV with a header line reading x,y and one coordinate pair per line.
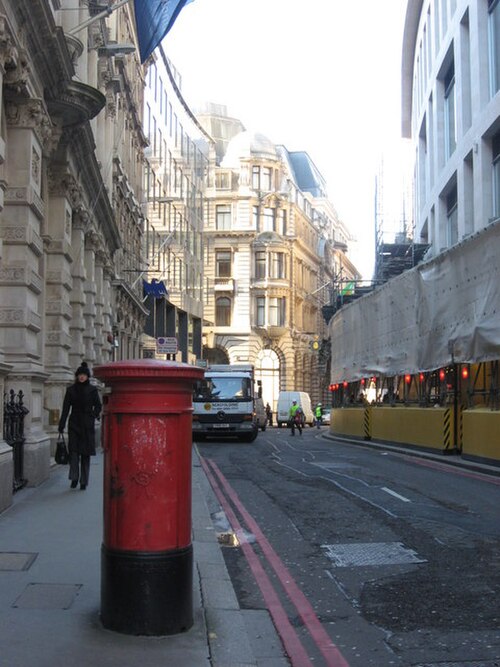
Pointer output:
x,y
460,35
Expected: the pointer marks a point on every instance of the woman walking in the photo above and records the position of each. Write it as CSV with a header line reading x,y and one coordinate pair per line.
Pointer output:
x,y
82,399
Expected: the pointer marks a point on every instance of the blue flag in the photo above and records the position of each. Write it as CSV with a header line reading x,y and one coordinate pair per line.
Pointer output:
x,y
155,288
154,18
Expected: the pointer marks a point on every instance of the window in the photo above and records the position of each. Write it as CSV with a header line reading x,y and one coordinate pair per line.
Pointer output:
x,y
223,263
281,222
256,178
255,217
222,181
223,311
449,111
494,35
266,179
496,174
223,216
260,311
451,217
277,265
277,311
260,265
268,220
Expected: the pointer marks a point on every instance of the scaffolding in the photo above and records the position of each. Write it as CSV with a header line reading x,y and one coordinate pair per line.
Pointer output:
x,y
395,249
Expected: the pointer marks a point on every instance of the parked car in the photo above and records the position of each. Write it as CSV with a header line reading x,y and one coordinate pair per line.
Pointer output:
x,y
285,400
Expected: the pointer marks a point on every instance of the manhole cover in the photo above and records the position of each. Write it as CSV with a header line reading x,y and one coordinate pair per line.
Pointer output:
x,y
47,596
370,553
468,663
13,560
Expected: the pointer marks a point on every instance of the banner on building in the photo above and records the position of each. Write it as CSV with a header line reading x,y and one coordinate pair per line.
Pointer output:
x,y
154,18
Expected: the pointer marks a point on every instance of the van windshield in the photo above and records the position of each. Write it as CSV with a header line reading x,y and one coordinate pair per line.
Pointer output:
x,y
223,389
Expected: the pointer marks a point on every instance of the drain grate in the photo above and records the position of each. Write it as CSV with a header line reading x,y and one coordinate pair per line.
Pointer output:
x,y
47,596
370,553
16,561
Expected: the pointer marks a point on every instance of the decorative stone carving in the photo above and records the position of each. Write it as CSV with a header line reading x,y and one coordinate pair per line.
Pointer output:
x,y
35,165
32,114
92,240
63,184
11,274
110,102
17,72
81,219
11,316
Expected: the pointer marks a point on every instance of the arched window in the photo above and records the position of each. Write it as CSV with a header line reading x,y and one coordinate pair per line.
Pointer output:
x,y
223,311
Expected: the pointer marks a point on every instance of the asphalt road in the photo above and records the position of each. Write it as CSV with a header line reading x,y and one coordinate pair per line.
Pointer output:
x,y
364,557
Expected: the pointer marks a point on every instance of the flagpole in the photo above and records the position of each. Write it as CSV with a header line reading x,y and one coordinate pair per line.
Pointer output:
x,y
163,243
97,17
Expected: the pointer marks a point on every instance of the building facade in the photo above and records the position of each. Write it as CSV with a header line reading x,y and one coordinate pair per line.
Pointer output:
x,y
451,110
71,216
179,157
434,330
273,244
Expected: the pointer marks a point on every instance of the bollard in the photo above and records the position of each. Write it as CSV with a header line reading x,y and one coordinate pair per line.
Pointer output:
x,y
147,555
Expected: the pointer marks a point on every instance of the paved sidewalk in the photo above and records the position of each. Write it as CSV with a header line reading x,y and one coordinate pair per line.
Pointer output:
x,y
50,541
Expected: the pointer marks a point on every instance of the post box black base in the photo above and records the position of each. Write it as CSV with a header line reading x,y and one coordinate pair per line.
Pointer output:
x,y
147,593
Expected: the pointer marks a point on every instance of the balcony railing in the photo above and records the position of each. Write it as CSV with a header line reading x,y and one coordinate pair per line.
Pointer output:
x,y
223,284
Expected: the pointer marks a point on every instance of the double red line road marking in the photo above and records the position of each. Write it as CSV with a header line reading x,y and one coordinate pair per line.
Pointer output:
x,y
229,499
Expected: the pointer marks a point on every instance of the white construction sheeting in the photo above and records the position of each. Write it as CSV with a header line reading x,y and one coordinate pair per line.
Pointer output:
x,y
415,321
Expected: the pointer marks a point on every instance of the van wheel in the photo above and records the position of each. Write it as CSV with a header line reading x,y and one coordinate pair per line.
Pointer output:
x,y
263,428
249,438
279,424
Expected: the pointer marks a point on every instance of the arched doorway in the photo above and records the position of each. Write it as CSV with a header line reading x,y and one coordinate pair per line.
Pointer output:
x,y
267,370
215,355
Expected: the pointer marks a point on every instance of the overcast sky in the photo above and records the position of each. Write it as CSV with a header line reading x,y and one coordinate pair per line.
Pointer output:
x,y
322,76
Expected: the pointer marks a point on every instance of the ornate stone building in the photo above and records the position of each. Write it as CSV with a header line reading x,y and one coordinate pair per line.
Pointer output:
x,y
273,246
71,220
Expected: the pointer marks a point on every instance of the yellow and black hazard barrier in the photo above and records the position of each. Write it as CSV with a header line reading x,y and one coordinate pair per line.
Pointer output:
x,y
471,433
447,430
367,423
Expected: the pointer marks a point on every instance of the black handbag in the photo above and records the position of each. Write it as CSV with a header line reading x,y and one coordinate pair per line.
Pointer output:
x,y
62,455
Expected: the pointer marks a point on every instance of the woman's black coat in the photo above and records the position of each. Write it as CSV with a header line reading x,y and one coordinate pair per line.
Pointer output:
x,y
83,400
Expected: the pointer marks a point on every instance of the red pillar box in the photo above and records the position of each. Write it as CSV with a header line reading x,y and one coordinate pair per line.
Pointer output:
x,y
147,556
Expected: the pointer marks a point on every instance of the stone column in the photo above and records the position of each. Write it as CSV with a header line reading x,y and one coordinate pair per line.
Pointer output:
x,y
64,196
107,311
89,288
6,460
100,344
77,298
22,290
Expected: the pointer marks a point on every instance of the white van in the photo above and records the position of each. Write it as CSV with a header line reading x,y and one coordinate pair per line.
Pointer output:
x,y
285,400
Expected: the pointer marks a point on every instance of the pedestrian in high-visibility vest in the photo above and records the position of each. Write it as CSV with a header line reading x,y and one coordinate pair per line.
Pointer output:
x,y
296,417
318,413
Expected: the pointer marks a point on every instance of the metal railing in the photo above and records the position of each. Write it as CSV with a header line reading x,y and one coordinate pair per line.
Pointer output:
x,y
14,412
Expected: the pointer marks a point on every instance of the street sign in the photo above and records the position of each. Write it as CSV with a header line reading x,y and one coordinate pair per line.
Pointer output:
x,y
166,345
